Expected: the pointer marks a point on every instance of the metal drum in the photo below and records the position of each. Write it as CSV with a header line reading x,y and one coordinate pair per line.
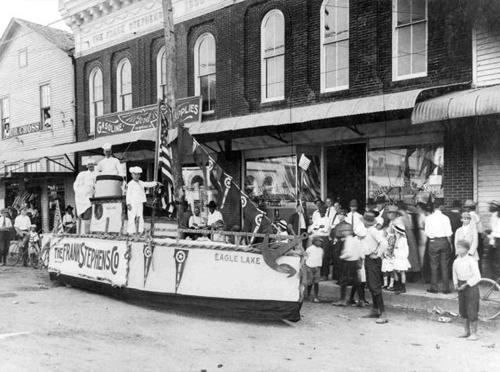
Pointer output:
x,y
108,185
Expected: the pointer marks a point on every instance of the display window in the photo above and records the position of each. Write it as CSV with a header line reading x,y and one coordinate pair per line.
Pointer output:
x,y
412,173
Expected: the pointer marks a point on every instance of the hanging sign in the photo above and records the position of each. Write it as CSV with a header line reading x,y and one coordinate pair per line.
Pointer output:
x,y
188,110
24,129
127,121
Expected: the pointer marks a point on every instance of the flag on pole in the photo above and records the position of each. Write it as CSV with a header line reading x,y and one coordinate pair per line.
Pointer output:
x,y
165,158
58,224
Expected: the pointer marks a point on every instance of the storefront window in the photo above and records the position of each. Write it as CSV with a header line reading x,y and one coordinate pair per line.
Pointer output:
x,y
408,174
310,177
272,181
198,191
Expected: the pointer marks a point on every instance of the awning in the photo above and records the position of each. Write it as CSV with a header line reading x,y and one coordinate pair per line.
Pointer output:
x,y
335,109
60,150
466,103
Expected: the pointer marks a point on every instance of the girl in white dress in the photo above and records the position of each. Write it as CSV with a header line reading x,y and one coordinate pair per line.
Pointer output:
x,y
401,262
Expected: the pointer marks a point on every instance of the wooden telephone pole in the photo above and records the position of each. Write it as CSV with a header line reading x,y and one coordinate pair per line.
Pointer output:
x,y
170,53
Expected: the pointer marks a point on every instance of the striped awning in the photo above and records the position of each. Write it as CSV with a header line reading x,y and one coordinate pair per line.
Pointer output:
x,y
461,104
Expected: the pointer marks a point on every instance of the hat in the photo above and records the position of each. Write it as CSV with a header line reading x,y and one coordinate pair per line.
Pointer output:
x,y
380,200
90,161
212,204
369,218
469,203
136,170
282,224
106,146
392,209
353,203
399,227
343,227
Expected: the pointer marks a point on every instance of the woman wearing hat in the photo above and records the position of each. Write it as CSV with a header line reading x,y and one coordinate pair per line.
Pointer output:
x,y
5,233
468,233
135,199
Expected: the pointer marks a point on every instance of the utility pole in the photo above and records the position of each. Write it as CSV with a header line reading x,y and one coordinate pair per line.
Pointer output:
x,y
170,53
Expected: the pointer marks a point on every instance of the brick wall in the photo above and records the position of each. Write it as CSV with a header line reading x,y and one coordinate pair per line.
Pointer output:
x,y
458,161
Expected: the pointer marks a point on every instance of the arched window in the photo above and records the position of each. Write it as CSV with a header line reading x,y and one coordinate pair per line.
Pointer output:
x,y
96,97
161,73
334,45
124,85
204,71
273,56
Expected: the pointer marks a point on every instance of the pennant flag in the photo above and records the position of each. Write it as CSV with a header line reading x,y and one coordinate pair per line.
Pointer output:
x,y
165,158
227,184
58,224
215,174
148,251
180,256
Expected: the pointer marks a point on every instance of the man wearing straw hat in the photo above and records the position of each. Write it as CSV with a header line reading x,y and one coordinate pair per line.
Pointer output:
x,y
135,199
84,190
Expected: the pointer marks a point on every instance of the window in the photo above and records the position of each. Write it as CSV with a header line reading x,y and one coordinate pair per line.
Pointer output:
x,y
204,65
409,39
5,116
161,73
96,100
273,56
23,57
334,45
33,166
124,85
45,116
414,172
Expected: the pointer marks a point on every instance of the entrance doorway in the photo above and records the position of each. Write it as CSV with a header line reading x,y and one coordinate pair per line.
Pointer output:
x,y
346,173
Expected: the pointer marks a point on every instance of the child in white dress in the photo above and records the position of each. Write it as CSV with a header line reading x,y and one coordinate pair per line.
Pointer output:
x,y
401,263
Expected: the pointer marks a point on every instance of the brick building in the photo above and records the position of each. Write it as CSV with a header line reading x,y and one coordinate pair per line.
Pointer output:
x,y
37,112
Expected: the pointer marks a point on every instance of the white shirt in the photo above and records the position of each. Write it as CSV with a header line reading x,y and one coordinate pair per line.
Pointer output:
x,y
196,222
352,249
22,222
84,190
373,242
67,219
110,166
320,226
475,219
314,256
354,219
495,225
214,217
468,233
315,216
5,221
136,193
437,225
466,269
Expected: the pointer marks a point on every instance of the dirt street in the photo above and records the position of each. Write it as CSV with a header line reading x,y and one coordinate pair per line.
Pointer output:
x,y
47,327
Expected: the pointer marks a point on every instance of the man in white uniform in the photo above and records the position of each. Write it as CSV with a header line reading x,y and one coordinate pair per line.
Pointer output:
x,y
109,165
84,186
213,214
136,196
22,225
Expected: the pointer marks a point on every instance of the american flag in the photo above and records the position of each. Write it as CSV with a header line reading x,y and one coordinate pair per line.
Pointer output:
x,y
58,223
165,154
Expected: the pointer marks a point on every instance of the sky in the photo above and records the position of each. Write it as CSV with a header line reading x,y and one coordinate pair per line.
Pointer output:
x,y
38,11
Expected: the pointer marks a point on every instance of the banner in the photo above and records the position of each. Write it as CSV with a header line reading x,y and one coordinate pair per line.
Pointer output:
x,y
188,110
127,121
94,259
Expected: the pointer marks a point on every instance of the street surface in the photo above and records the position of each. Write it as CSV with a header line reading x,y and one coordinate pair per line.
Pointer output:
x,y
46,327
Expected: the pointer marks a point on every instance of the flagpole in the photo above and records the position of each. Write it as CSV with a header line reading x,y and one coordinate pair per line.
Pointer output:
x,y
157,144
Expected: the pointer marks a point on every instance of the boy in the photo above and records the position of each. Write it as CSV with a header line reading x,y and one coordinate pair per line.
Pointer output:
x,y
465,278
314,261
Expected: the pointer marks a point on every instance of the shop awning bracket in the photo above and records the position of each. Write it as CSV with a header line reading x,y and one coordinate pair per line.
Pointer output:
x,y
69,161
355,129
60,164
277,137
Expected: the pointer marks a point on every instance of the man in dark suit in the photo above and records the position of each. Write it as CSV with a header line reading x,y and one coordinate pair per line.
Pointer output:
x,y
298,222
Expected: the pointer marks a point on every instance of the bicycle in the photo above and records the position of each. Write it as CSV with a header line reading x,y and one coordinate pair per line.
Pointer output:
x,y
16,253
489,299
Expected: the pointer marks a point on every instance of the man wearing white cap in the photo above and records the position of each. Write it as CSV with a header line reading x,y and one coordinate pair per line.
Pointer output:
x,y
136,196
84,186
109,165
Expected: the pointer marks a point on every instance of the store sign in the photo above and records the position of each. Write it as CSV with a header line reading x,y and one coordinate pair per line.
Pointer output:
x,y
22,130
127,121
93,259
189,110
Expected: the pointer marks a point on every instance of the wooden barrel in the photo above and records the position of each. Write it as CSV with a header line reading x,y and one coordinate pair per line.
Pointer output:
x,y
108,185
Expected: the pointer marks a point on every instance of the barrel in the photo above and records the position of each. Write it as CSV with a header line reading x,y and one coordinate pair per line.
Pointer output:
x,y
108,185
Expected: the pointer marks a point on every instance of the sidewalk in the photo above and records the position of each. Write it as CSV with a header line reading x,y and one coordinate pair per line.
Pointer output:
x,y
416,297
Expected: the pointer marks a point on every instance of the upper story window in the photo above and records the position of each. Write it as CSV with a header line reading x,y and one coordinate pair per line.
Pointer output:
x,y
124,85
161,73
45,115
96,97
273,56
5,117
204,66
22,57
334,45
409,54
